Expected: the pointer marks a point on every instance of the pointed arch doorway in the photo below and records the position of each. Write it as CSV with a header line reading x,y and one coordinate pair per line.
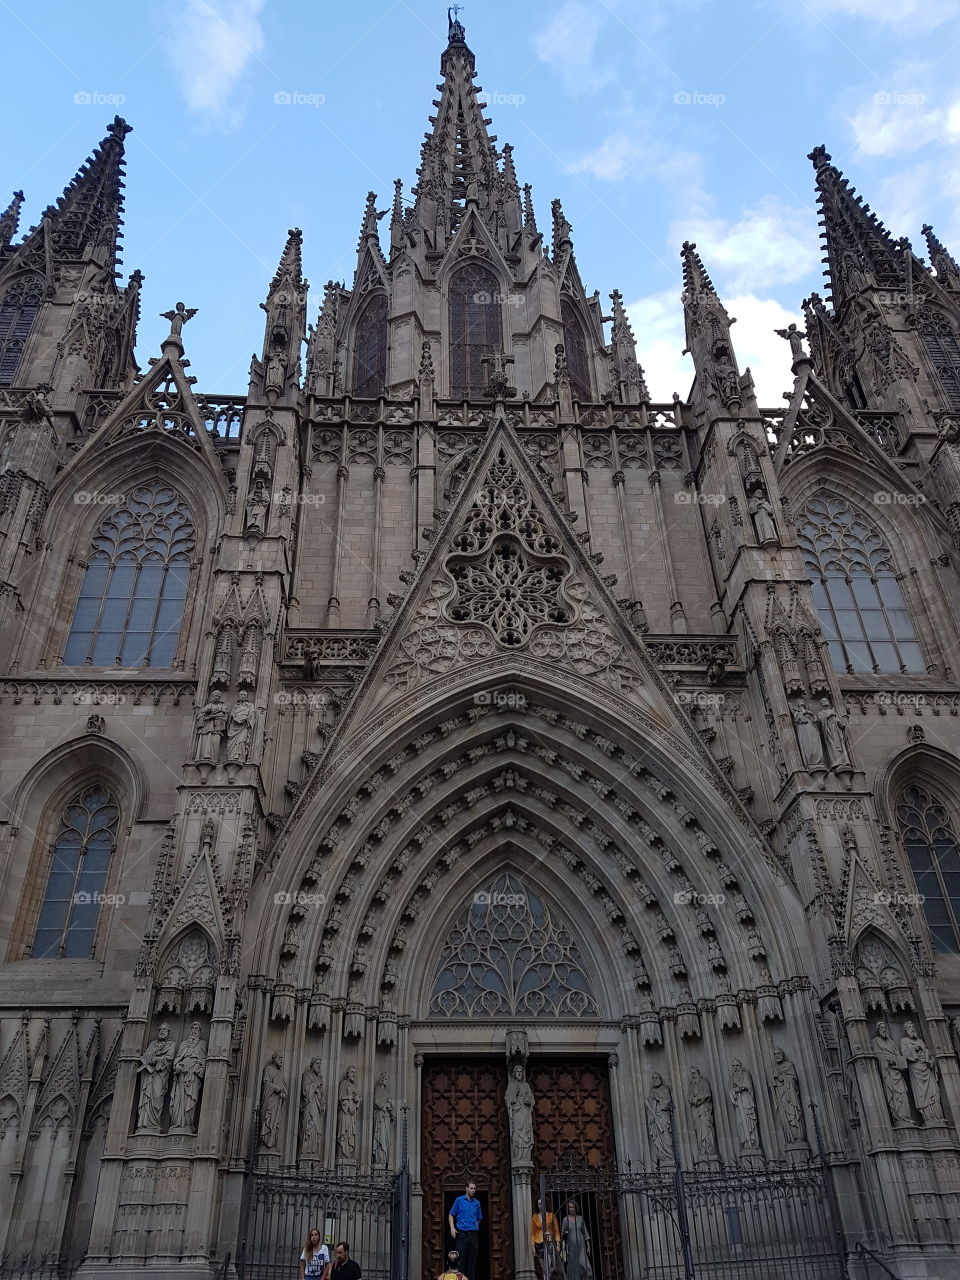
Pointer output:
x,y
509,970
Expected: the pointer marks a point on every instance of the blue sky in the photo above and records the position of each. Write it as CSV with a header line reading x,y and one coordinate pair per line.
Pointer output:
x,y
653,122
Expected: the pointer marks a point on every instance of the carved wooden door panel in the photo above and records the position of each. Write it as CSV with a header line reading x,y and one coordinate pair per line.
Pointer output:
x,y
574,1145
464,1135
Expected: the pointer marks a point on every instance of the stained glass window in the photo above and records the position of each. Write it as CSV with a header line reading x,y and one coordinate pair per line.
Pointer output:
x,y
509,956
934,854
575,349
861,605
132,596
18,310
79,862
475,328
370,348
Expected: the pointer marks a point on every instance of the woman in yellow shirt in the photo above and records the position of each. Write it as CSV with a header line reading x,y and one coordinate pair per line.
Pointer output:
x,y
544,1236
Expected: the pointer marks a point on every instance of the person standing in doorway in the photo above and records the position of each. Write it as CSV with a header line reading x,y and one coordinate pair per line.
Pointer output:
x,y
344,1267
315,1259
576,1245
464,1220
545,1237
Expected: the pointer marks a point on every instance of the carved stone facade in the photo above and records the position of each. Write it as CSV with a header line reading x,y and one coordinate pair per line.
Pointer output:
x,y
444,713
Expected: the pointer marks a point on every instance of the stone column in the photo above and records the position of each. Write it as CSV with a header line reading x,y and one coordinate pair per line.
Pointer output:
x,y
522,1180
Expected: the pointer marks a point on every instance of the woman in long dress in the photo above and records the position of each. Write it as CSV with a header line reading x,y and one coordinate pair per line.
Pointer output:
x,y
575,1245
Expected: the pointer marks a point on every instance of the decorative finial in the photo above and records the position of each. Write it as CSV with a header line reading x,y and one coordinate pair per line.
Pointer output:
x,y
795,337
454,26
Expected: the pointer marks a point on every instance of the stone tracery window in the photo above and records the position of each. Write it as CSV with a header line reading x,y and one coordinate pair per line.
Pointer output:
x,y
575,350
475,327
943,350
932,847
508,956
861,605
131,600
80,859
370,348
18,311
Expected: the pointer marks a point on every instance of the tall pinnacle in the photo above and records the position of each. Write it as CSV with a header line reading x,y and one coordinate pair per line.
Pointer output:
x,y
942,261
10,219
855,239
87,217
290,267
695,277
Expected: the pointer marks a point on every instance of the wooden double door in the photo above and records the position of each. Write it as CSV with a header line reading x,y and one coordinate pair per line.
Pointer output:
x,y
465,1135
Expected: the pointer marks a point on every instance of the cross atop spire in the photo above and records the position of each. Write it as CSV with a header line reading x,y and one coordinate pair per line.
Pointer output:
x,y
855,239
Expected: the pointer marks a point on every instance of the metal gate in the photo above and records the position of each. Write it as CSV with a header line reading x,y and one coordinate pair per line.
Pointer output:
x,y
371,1211
770,1223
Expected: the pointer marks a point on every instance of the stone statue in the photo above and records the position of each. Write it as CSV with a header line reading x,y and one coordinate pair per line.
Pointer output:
x,y
155,1065
243,719
178,317
519,1100
348,1100
211,726
659,1102
744,1107
726,378
700,1098
764,521
834,730
273,1094
188,1068
313,1108
276,375
383,1114
808,736
257,506
786,1093
923,1075
795,337
892,1066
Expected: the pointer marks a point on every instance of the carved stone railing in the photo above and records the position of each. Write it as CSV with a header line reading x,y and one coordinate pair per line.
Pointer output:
x,y
94,693
222,415
463,415
331,648
693,651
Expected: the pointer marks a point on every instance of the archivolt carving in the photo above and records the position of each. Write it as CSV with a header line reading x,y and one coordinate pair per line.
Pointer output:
x,y
188,977
411,845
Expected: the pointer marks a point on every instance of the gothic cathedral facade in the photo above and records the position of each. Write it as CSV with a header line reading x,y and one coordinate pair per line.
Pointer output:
x,y
441,761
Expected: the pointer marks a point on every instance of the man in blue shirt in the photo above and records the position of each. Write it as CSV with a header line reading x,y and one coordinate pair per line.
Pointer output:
x,y
464,1220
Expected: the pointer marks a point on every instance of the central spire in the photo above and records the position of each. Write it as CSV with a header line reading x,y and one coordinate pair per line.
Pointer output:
x,y
460,166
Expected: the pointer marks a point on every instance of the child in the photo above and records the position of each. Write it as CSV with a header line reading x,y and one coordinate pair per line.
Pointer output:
x,y
453,1271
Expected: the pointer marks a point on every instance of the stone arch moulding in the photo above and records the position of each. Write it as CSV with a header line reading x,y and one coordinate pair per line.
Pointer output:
x,y
721,850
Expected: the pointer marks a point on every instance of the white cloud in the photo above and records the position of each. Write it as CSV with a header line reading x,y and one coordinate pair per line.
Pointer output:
x,y
569,45
905,115
611,160
211,47
773,243
914,13
658,324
